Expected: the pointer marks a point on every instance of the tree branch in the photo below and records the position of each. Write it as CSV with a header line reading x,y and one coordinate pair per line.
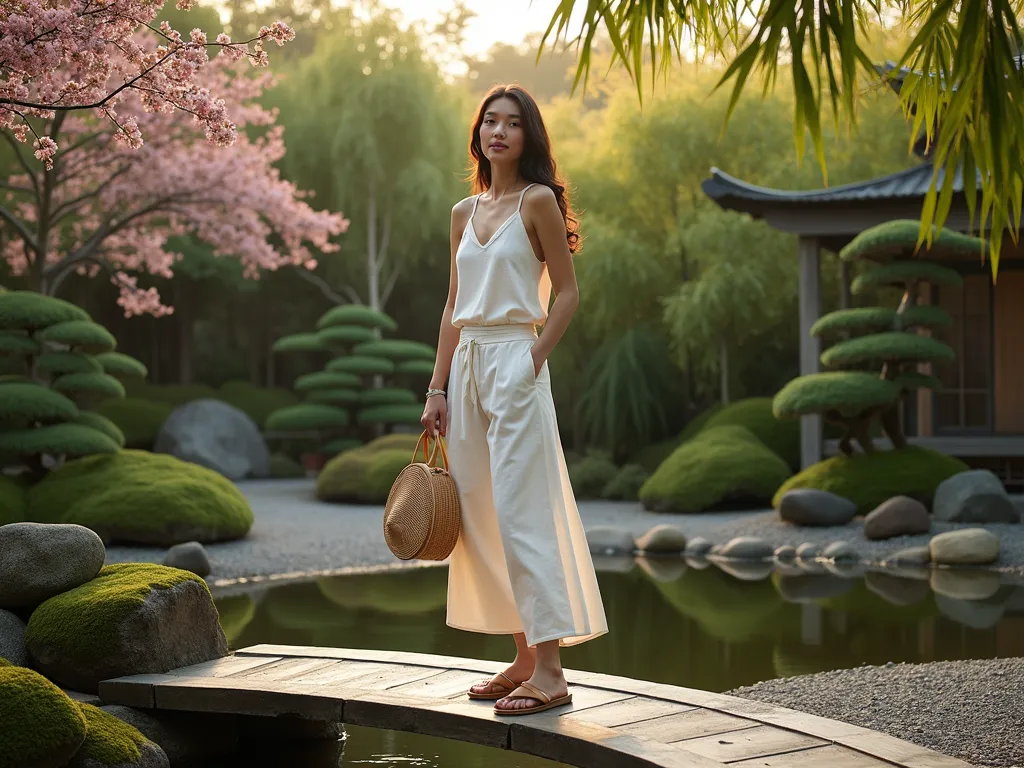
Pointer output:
x,y
19,227
392,279
326,289
70,267
21,159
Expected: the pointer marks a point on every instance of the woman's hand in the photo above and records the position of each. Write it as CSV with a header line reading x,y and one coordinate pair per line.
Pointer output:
x,y
538,361
435,415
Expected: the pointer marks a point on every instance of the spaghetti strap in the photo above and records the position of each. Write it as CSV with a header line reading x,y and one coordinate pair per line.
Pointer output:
x,y
476,199
521,196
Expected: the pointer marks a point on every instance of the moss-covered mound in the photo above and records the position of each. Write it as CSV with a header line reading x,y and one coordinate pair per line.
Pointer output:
x,y
39,723
99,606
868,479
138,419
724,465
133,618
142,498
12,501
110,741
781,437
362,475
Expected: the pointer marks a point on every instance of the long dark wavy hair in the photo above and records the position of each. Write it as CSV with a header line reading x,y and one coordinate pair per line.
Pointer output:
x,y
536,164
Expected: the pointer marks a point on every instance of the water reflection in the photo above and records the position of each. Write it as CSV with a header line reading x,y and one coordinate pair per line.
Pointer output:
x,y
688,623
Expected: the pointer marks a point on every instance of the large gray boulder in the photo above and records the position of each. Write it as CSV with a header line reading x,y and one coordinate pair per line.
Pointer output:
x,y
976,496
215,435
12,639
40,560
811,507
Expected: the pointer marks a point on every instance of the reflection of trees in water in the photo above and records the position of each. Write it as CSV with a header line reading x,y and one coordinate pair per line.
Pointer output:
x,y
704,629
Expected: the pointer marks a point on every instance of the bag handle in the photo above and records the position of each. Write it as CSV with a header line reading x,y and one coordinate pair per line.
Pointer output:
x,y
424,441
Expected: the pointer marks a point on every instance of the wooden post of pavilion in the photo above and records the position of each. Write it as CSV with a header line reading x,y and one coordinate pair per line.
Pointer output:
x,y
810,349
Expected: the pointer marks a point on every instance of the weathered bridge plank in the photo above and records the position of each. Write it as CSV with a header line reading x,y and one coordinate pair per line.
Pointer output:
x,y
613,721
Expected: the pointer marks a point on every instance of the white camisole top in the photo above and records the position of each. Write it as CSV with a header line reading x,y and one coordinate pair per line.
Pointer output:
x,y
501,282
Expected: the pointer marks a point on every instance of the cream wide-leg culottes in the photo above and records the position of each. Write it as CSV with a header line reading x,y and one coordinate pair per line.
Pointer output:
x,y
522,563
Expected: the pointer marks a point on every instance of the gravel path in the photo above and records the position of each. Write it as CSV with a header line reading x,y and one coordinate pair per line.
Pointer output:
x,y
296,534
972,710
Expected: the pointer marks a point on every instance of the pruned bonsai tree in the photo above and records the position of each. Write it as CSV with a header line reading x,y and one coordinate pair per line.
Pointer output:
x,y
876,351
59,365
358,389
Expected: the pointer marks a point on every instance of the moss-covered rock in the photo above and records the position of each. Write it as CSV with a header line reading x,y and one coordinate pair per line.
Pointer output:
x,y
755,413
133,618
383,470
142,498
868,479
722,465
12,500
39,724
590,475
113,742
139,420
363,475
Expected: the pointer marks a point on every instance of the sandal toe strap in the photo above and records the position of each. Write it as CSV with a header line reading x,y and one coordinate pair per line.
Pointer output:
x,y
511,683
534,693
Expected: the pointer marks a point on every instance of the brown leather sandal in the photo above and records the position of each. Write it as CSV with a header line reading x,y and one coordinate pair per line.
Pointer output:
x,y
535,693
498,690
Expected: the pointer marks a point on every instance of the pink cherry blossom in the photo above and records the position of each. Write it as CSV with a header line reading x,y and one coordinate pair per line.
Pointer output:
x,y
110,201
70,55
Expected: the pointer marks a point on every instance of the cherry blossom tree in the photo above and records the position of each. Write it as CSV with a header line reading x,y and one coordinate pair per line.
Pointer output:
x,y
61,56
108,201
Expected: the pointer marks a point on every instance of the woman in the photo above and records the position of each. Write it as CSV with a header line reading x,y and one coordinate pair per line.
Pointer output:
x,y
521,566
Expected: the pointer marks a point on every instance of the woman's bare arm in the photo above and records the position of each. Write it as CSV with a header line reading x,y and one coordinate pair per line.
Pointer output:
x,y
542,213
448,335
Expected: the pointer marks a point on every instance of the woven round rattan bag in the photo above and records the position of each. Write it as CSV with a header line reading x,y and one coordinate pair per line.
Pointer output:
x,y
422,517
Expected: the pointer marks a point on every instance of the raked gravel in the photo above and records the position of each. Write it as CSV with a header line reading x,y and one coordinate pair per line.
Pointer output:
x,y
296,534
971,710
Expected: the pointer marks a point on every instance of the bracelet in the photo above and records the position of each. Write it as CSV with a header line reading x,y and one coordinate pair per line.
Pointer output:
x,y
432,392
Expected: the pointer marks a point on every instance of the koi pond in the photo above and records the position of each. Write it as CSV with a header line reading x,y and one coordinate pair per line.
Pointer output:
x,y
689,624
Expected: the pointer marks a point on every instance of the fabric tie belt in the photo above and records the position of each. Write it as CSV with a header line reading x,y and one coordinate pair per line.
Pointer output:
x,y
472,336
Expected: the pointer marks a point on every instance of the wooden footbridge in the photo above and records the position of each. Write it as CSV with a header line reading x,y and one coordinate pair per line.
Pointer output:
x,y
613,722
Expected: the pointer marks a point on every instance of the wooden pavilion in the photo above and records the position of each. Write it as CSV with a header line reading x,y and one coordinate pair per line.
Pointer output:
x,y
978,415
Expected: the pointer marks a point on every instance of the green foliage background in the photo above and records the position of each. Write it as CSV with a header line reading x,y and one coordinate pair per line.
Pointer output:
x,y
683,305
